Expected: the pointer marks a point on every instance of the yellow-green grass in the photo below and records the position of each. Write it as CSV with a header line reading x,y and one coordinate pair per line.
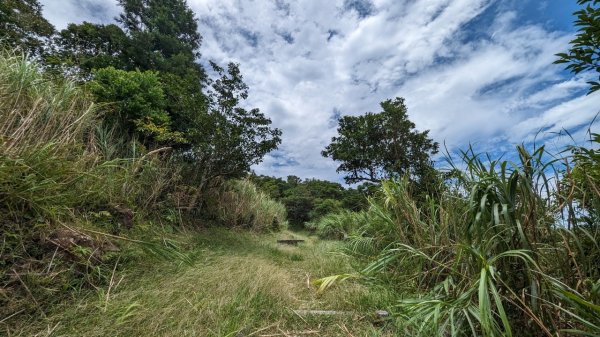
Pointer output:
x,y
240,284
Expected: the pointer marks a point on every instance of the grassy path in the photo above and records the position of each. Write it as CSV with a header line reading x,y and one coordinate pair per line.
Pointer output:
x,y
239,284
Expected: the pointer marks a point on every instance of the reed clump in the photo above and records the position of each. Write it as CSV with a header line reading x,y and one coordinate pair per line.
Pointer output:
x,y
506,249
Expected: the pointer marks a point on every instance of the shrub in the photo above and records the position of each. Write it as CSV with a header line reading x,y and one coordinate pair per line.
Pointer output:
x,y
136,104
338,225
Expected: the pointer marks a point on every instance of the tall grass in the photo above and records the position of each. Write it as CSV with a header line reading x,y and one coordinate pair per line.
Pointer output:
x,y
242,204
339,225
490,257
45,130
54,153
59,170
36,111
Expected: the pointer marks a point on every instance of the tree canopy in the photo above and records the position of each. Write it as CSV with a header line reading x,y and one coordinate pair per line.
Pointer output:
x,y
147,65
228,139
23,26
308,200
81,48
382,145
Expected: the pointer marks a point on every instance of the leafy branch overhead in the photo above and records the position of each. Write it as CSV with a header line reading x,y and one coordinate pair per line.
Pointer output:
x,y
22,25
584,54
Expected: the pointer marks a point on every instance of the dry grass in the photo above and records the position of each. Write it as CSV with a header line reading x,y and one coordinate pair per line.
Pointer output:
x,y
241,204
36,111
241,284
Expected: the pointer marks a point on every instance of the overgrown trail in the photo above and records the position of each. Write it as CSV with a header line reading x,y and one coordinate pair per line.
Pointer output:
x,y
239,284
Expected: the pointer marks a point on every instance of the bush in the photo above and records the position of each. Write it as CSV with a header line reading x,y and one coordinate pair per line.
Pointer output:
x,y
338,225
136,104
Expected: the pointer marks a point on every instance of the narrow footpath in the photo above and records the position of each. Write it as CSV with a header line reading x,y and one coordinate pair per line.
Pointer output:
x,y
239,284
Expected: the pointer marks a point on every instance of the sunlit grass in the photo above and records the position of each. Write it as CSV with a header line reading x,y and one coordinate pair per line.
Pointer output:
x,y
239,283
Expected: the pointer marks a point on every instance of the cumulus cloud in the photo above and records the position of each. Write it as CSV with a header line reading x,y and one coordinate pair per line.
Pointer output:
x,y
470,71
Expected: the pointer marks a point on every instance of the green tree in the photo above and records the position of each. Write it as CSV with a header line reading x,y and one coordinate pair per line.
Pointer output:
x,y
275,187
310,199
354,199
298,204
221,138
293,180
323,207
164,34
584,54
154,53
81,48
324,189
382,145
159,35
23,26
230,139
155,35
136,105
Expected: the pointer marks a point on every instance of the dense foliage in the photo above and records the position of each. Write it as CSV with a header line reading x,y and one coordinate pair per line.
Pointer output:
x,y
308,200
23,26
149,58
494,256
136,105
114,136
72,193
582,180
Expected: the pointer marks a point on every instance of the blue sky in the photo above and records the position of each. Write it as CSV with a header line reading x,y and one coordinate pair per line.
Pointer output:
x,y
472,71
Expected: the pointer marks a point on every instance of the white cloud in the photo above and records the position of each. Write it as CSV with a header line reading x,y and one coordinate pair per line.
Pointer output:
x,y
62,12
303,60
